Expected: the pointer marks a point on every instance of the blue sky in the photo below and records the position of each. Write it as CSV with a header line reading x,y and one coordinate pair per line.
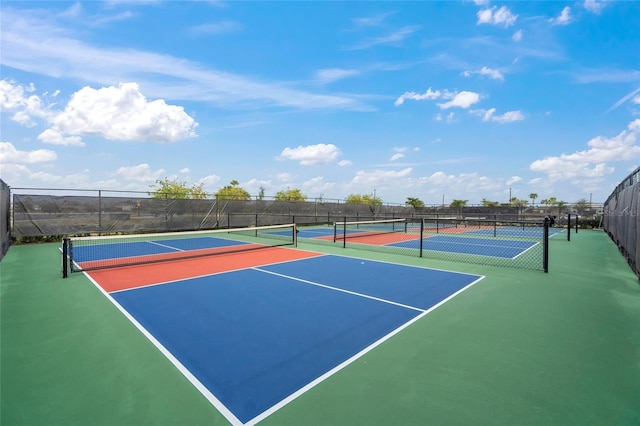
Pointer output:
x,y
435,100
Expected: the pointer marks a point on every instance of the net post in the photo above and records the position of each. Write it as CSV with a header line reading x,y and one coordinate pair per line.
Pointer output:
x,y
335,231
495,225
65,251
577,217
295,235
421,234
344,233
569,227
545,246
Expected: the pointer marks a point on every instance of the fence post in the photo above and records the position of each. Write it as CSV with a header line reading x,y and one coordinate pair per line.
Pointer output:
x,y
568,226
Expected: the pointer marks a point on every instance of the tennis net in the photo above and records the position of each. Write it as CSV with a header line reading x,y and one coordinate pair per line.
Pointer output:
x,y
99,252
343,231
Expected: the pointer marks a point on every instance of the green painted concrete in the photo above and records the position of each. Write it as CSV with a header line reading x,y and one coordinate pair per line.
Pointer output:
x,y
518,348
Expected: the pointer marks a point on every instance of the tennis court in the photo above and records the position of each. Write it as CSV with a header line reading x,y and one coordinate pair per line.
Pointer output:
x,y
254,329
499,244
275,336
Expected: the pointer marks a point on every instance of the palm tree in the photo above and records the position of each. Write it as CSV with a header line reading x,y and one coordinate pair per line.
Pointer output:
x,y
533,197
459,204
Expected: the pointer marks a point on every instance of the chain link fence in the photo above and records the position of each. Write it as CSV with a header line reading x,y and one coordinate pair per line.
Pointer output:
x,y
621,219
5,218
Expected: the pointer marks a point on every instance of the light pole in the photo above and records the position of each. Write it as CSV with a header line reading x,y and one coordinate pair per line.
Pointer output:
x,y
509,196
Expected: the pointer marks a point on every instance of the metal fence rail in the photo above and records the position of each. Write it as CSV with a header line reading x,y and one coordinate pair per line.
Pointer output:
x,y
53,212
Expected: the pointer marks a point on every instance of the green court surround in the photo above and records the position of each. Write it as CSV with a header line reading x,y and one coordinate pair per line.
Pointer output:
x,y
519,348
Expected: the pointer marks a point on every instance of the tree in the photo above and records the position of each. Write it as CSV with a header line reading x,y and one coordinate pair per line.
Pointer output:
x,y
561,206
459,205
233,191
488,203
197,193
174,189
261,193
516,202
416,203
533,197
369,200
290,195
581,206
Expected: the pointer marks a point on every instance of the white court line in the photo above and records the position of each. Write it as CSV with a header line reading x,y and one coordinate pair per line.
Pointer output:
x,y
233,420
165,246
355,357
366,296
184,370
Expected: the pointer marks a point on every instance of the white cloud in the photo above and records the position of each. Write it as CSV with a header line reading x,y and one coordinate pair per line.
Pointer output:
x,y
513,179
14,97
449,118
284,177
372,21
394,38
462,99
55,137
564,18
593,6
593,162
507,117
344,163
311,155
517,36
209,182
10,155
636,99
486,72
368,178
396,156
428,95
317,185
329,75
120,113
37,45
495,16
222,27
139,173
115,113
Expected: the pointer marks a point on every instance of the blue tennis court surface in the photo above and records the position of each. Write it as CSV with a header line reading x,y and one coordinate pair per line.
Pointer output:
x,y
502,248
142,248
256,338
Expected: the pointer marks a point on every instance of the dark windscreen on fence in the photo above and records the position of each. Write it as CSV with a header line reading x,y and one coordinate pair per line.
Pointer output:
x,y
5,218
622,216
39,215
